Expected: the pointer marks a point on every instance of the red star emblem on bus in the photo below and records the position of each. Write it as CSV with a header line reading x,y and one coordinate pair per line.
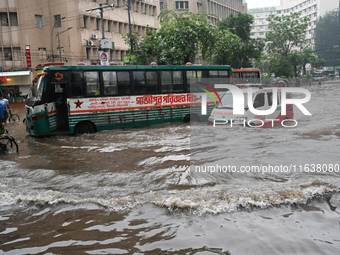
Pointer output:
x,y
78,104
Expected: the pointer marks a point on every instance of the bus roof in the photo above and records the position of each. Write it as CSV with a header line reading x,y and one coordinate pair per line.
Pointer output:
x,y
49,64
128,67
245,70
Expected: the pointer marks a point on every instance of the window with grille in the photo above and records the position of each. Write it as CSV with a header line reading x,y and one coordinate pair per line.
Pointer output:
x,y
42,53
57,20
8,54
182,5
17,54
13,18
39,21
4,18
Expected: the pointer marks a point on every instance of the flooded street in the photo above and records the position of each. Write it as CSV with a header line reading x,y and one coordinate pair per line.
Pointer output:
x,y
138,191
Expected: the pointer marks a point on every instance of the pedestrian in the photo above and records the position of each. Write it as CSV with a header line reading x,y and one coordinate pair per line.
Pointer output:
x,y
319,83
310,82
2,110
5,100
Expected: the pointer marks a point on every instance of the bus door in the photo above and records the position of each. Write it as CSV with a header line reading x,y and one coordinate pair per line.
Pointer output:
x,y
61,90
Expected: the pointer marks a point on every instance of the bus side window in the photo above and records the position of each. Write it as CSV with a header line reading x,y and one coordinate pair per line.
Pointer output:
x,y
259,100
166,83
177,79
200,78
270,98
191,78
151,82
77,84
257,75
251,77
223,77
139,85
92,83
123,83
110,83
236,78
199,75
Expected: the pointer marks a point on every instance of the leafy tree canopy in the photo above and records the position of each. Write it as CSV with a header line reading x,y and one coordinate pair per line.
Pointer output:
x,y
233,43
327,43
180,38
184,35
286,32
239,25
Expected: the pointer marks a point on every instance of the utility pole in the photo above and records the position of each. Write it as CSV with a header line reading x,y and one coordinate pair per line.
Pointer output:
x,y
61,60
130,32
101,10
55,22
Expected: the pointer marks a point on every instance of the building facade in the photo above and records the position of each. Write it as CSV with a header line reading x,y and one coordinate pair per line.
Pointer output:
x,y
313,9
220,8
66,31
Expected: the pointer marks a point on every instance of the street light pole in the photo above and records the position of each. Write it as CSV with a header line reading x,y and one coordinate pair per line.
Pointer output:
x,y
55,22
61,60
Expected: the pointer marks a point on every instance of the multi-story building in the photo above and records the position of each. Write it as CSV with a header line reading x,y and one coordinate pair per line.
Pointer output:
x,y
221,8
313,9
67,30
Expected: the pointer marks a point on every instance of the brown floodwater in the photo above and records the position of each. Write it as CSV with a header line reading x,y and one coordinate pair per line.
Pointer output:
x,y
147,190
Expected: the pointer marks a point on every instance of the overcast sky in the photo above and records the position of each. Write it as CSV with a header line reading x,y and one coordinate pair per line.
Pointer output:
x,y
262,3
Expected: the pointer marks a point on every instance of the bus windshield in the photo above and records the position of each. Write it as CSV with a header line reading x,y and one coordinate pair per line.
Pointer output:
x,y
36,90
227,101
317,74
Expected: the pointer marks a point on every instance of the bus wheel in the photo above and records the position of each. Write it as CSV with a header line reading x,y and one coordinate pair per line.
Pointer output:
x,y
84,128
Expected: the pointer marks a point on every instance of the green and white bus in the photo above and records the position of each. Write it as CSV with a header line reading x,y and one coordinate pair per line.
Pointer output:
x,y
87,99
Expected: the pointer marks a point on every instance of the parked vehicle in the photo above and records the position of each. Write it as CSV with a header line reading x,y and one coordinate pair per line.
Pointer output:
x,y
261,99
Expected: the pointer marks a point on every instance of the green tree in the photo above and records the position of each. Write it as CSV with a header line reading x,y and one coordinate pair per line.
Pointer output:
x,y
246,50
180,38
309,56
286,32
226,48
327,35
239,25
286,38
296,60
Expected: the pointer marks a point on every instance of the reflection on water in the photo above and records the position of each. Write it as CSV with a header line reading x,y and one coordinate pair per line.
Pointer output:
x,y
133,191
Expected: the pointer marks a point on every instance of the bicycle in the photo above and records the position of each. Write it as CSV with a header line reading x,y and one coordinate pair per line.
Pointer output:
x,y
13,116
8,144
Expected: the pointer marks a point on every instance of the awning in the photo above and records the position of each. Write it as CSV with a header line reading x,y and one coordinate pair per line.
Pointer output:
x,y
17,73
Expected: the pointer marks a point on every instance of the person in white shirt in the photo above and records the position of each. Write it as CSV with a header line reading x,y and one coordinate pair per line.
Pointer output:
x,y
6,109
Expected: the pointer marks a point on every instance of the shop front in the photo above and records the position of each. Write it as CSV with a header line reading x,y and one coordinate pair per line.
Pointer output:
x,y
15,85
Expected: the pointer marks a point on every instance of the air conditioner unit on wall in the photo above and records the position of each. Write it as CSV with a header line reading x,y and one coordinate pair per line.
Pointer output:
x,y
94,36
89,43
